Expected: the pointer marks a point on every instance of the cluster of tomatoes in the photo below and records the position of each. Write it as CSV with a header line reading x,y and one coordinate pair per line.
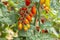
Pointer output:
x,y
26,16
27,13
45,4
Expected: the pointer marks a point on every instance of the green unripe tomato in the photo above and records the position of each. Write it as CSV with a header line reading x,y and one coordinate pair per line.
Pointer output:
x,y
11,3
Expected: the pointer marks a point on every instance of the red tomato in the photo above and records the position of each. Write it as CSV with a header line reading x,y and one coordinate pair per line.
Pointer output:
x,y
24,8
27,2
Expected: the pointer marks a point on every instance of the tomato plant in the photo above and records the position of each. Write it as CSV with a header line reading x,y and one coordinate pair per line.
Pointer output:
x,y
29,19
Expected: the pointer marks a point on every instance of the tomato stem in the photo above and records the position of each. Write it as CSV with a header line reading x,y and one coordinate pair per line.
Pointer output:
x,y
35,19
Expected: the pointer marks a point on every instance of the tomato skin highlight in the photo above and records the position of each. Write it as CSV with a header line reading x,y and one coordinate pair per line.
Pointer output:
x,y
27,2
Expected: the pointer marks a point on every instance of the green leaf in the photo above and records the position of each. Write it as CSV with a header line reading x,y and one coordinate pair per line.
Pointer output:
x,y
1,15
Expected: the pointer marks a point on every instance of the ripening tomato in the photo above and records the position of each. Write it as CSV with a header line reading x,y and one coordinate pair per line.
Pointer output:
x,y
42,2
25,28
28,17
5,3
28,25
31,14
26,21
46,31
46,9
33,10
20,26
43,31
27,2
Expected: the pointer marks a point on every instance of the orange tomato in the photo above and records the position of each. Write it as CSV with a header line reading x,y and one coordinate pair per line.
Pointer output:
x,y
26,21
33,10
20,26
31,14
42,2
28,18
